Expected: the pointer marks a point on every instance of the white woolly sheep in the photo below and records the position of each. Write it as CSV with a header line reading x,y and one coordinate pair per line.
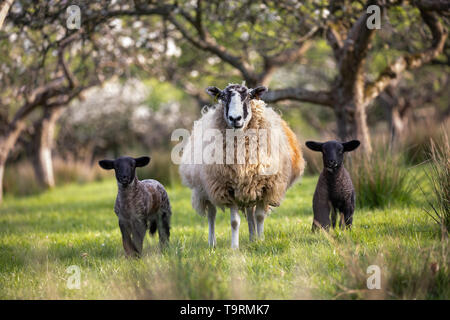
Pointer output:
x,y
257,183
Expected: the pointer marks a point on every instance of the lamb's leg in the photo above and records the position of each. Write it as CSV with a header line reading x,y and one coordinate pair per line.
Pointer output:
x,y
129,247
341,221
349,210
260,215
163,225
347,216
235,222
139,229
333,216
321,208
212,223
251,222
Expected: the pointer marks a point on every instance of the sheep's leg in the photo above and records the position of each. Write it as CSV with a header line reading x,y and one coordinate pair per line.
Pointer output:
x,y
333,216
163,225
129,247
341,221
347,216
349,210
321,208
321,205
212,224
139,229
235,222
260,214
251,222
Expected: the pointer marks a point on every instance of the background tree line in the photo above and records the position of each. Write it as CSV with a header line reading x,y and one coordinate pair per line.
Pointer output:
x,y
321,63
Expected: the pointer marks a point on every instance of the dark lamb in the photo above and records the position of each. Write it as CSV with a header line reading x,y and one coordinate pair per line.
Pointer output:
x,y
334,189
140,205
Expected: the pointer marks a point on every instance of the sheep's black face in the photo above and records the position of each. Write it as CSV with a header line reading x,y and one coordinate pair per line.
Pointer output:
x,y
236,101
125,168
333,152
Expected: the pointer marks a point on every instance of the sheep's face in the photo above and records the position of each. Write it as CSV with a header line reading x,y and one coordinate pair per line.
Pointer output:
x,y
236,103
333,152
125,168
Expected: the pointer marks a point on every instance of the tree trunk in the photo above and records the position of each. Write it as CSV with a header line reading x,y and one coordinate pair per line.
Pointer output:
x,y
4,9
43,140
352,124
7,142
2,173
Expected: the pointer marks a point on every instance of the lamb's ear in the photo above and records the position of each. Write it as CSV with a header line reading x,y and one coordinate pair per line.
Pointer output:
x,y
142,161
106,164
214,92
315,146
351,145
257,92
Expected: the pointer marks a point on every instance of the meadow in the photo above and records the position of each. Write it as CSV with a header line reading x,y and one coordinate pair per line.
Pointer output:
x,y
42,235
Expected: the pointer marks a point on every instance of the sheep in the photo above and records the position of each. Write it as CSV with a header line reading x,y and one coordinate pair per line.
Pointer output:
x,y
252,186
334,188
140,205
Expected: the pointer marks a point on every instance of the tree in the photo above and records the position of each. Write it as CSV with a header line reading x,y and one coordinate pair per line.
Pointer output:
x,y
41,65
346,31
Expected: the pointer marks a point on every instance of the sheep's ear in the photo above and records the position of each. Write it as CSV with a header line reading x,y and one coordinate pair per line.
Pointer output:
x,y
142,161
214,92
257,92
106,164
351,145
315,146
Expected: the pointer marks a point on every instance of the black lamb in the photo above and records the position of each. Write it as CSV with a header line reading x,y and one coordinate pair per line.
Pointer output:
x,y
140,205
334,189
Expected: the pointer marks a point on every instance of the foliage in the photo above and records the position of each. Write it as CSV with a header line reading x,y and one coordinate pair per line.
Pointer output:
x,y
381,179
438,175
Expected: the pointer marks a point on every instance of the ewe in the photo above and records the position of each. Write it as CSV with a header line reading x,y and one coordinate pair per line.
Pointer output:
x,y
251,173
334,189
140,205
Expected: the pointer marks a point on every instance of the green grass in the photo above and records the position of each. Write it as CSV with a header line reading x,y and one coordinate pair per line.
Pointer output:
x,y
42,235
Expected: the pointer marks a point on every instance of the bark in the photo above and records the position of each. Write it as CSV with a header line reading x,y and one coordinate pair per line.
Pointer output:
x,y
4,9
352,123
7,142
396,110
43,140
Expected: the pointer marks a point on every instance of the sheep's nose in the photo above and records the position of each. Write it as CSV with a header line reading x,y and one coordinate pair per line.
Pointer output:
x,y
235,119
331,163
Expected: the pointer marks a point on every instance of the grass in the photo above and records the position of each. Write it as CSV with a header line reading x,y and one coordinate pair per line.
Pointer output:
x,y
381,180
42,235
439,178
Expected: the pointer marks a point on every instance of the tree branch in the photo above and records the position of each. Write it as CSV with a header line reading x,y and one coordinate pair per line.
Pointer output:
x,y
209,45
433,5
334,40
355,47
410,61
299,94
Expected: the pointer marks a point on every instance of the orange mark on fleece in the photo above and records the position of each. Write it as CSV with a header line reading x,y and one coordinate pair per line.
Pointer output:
x,y
296,153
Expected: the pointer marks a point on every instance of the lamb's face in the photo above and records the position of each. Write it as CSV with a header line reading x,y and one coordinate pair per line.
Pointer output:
x,y
125,168
333,152
236,103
